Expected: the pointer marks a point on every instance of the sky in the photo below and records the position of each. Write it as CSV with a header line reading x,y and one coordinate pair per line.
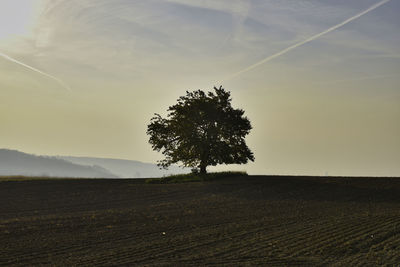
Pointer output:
x,y
319,79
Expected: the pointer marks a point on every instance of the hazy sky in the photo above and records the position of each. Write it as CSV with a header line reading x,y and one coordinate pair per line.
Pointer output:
x,y
84,77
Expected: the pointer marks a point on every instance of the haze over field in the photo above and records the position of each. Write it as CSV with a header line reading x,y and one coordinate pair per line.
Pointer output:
x,y
319,79
16,163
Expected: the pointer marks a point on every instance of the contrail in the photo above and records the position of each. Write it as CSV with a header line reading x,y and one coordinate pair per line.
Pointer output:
x,y
284,51
64,85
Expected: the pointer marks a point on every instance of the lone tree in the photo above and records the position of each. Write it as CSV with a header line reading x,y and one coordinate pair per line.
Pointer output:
x,y
201,130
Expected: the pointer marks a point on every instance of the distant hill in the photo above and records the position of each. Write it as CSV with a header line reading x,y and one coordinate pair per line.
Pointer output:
x,y
13,162
125,168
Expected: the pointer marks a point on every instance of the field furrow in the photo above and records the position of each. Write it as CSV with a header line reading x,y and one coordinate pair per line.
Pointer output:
x,y
272,221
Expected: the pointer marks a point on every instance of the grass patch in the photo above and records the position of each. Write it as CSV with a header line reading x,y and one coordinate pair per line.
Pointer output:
x,y
21,178
194,177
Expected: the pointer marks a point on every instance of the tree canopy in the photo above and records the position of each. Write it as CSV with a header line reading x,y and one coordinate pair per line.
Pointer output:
x,y
201,129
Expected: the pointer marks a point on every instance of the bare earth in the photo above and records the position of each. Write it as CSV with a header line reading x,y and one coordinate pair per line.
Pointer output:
x,y
282,221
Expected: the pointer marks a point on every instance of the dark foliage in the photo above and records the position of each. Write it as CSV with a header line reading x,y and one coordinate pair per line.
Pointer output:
x,y
201,130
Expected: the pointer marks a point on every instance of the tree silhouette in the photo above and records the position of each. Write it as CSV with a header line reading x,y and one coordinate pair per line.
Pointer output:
x,y
201,130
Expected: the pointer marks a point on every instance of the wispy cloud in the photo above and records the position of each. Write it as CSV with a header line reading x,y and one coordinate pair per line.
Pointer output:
x,y
126,59
363,78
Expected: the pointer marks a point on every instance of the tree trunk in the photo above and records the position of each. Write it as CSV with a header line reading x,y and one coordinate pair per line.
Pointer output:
x,y
203,169
203,160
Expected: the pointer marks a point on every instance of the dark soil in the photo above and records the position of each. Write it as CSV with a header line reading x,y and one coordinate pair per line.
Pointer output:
x,y
278,221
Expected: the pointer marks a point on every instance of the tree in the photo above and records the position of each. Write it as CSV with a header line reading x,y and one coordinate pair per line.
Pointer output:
x,y
201,130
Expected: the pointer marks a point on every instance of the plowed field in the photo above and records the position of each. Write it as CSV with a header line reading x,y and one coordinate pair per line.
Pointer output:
x,y
272,221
